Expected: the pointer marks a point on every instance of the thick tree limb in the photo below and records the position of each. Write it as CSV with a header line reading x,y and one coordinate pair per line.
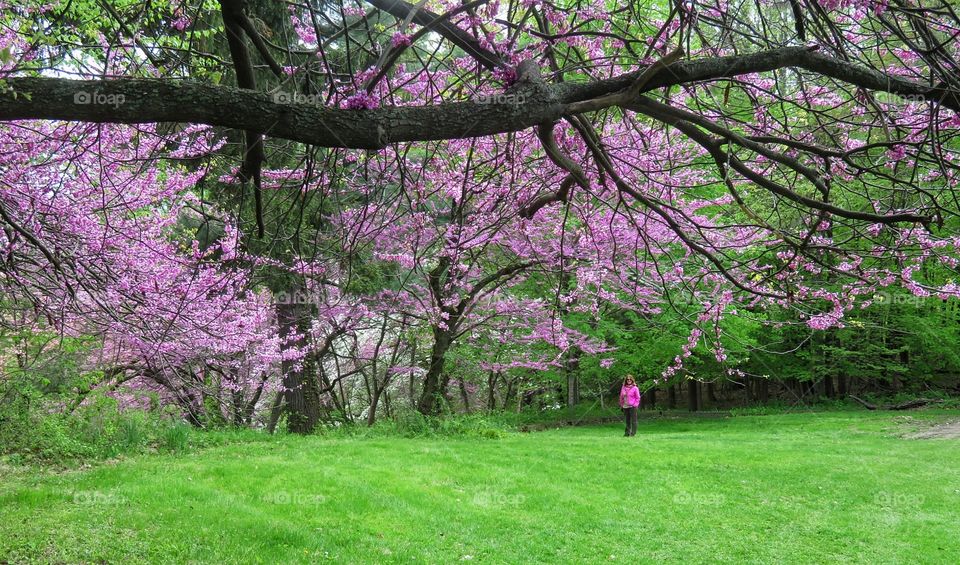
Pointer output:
x,y
153,101
498,276
630,93
150,101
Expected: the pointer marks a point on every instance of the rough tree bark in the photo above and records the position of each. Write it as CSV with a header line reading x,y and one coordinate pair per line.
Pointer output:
x,y
154,101
434,382
492,378
301,396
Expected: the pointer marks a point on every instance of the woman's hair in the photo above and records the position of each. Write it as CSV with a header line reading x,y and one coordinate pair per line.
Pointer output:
x,y
629,378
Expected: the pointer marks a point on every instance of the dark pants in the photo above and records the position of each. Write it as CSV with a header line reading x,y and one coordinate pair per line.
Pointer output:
x,y
630,416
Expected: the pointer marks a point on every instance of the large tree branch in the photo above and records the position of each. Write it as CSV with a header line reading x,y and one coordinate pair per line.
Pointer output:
x,y
150,101
135,101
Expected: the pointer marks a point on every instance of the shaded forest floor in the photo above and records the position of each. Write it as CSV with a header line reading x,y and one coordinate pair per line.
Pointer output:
x,y
796,487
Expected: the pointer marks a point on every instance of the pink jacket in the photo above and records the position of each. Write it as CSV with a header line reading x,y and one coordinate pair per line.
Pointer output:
x,y
629,396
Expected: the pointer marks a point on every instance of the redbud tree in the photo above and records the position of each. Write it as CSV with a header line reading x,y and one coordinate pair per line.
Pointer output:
x,y
733,155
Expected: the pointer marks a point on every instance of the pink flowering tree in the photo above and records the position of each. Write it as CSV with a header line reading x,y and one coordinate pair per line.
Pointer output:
x,y
98,243
739,156
460,247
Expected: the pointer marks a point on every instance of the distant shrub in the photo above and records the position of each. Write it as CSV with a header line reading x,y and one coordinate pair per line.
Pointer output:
x,y
41,432
471,425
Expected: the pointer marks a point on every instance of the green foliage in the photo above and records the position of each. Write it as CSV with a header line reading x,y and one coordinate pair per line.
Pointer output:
x,y
900,342
412,424
175,438
415,424
33,431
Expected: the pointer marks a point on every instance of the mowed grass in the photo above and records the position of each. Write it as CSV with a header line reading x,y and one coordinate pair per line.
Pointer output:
x,y
820,487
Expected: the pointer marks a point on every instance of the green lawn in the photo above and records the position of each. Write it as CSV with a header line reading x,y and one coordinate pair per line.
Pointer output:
x,y
820,487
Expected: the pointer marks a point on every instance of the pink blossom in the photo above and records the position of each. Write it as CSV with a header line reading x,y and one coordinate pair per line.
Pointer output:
x,y
398,40
361,101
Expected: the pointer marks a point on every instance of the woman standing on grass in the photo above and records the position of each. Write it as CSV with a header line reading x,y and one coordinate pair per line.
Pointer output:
x,y
630,402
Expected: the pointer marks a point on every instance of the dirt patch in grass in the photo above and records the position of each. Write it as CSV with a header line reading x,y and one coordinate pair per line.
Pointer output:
x,y
942,430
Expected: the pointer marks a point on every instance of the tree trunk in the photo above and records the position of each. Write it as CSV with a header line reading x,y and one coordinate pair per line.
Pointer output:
x,y
330,388
904,357
693,395
464,396
828,387
275,410
433,388
344,402
511,392
492,379
571,367
651,397
374,400
237,406
411,381
573,389
301,395
672,397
